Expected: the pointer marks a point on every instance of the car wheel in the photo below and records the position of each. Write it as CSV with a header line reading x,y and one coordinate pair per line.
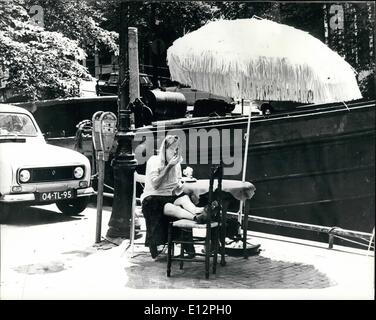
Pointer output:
x,y
4,213
73,207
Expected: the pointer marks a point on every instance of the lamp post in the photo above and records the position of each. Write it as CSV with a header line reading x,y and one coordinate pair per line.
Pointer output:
x,y
124,163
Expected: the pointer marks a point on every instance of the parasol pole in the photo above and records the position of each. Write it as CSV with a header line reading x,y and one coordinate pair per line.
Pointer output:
x,y
245,160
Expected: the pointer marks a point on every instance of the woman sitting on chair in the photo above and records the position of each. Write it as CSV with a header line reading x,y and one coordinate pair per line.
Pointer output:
x,y
163,199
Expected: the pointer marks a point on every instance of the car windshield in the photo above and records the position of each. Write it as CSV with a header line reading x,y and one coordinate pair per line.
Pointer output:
x,y
104,76
113,79
16,124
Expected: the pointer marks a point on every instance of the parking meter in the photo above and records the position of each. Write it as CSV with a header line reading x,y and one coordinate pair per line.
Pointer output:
x,y
96,130
104,130
103,135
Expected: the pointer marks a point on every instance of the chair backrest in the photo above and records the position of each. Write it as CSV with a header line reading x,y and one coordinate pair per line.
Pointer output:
x,y
140,178
216,172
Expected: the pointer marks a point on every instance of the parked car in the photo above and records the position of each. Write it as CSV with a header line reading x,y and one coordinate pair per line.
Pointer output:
x,y
33,172
107,84
192,95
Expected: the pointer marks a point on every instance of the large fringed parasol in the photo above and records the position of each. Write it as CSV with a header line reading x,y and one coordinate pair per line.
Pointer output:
x,y
261,60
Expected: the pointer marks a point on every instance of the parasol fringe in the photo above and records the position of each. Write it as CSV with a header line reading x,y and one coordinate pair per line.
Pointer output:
x,y
263,80
245,74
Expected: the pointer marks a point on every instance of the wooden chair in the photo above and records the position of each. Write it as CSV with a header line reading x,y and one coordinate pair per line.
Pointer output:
x,y
136,211
211,228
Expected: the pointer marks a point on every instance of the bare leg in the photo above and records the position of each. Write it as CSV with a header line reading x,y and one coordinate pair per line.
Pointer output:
x,y
178,212
188,205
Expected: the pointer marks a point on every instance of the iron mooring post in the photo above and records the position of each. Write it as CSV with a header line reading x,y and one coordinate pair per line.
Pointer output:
x,y
124,162
331,241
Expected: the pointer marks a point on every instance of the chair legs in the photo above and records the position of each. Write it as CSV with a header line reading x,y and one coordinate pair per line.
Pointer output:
x,y
169,249
215,249
207,253
211,251
181,256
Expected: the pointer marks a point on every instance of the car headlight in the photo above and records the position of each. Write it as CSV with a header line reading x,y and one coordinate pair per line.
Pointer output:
x,y
24,175
78,172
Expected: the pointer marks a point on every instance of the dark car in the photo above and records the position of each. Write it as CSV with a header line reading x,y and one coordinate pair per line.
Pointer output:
x,y
107,84
193,95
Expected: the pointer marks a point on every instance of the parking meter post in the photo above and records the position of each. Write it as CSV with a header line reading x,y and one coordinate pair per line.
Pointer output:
x,y
98,149
103,134
100,163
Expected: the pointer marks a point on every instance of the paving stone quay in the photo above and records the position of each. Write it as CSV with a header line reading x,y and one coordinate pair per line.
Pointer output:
x,y
59,260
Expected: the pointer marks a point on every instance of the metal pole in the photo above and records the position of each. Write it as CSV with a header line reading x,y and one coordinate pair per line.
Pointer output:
x,y
98,231
247,144
133,222
245,160
240,215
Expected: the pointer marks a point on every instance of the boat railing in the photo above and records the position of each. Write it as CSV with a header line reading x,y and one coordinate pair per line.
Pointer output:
x,y
332,232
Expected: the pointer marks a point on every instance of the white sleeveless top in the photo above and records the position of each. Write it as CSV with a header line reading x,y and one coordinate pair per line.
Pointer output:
x,y
169,183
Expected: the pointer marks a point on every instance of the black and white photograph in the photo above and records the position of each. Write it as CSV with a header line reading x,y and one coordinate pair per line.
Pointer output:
x,y
187,150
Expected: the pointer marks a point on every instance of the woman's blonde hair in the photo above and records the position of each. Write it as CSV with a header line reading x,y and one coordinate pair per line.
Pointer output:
x,y
167,142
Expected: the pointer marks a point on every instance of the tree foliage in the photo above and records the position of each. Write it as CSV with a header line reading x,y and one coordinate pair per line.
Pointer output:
x,y
41,64
78,20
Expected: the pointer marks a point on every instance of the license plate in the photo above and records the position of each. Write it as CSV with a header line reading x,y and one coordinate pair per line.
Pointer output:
x,y
57,195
